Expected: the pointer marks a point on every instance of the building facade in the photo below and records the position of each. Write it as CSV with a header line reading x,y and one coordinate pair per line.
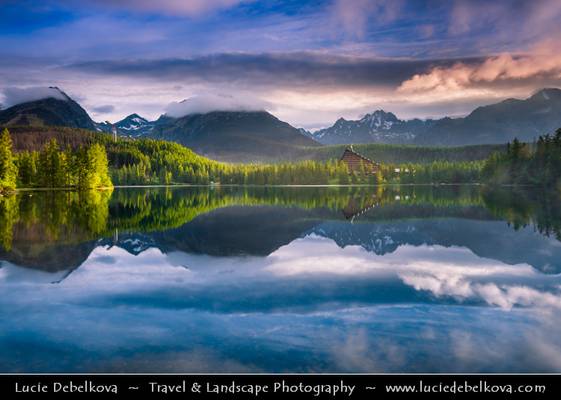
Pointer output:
x,y
358,164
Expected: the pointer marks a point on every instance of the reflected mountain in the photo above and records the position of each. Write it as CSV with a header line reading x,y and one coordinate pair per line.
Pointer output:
x,y
389,279
488,239
238,230
57,231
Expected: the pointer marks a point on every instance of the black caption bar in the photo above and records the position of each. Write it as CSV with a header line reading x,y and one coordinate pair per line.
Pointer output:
x,y
281,386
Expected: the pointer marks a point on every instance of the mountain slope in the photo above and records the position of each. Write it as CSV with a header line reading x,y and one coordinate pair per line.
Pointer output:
x,y
233,136
378,127
500,122
133,126
47,112
492,124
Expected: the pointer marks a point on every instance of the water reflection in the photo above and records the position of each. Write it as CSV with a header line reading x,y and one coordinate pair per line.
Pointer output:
x,y
273,279
57,230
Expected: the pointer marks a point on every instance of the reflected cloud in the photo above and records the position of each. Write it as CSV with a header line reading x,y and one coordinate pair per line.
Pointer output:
x,y
449,272
309,306
12,274
502,296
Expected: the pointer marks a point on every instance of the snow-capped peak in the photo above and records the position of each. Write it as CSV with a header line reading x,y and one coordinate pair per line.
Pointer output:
x,y
379,119
133,125
132,122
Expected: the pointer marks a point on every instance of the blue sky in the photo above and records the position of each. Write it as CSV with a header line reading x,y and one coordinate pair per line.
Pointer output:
x,y
309,61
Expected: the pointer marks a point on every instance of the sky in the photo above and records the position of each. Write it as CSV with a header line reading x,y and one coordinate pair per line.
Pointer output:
x,y
308,62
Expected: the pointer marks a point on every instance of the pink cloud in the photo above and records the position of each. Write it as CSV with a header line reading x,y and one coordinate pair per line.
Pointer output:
x,y
426,31
514,20
175,7
542,63
354,15
466,16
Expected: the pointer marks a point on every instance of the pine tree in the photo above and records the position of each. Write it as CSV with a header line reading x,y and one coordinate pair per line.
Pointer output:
x,y
98,167
27,168
8,169
49,174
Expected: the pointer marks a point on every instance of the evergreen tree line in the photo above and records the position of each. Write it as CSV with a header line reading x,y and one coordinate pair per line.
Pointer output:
x,y
148,161
402,154
435,172
85,167
101,162
537,163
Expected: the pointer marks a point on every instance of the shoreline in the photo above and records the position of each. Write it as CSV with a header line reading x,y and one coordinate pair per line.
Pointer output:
x,y
212,186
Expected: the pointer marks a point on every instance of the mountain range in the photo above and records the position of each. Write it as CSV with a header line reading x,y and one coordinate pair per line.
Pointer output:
x,y
250,136
227,136
500,122
492,124
377,127
223,135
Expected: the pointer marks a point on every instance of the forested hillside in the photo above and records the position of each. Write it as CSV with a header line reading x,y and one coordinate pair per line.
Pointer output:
x,y
52,157
33,138
538,163
398,154
84,167
86,160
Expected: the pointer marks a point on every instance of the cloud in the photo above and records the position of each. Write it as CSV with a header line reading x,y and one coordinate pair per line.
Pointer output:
x,y
308,89
355,352
517,20
466,16
103,109
454,272
202,104
542,65
426,31
292,69
504,296
14,95
453,262
354,15
173,7
315,61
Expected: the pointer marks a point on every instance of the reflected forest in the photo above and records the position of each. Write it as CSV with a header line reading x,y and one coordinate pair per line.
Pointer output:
x,y
36,225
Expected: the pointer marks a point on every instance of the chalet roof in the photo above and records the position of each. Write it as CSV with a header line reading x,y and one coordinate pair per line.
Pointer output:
x,y
351,150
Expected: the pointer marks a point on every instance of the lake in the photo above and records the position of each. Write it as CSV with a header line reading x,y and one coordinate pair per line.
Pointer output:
x,y
295,279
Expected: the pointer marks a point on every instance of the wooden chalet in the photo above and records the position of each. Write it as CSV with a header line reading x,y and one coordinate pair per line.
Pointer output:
x,y
355,207
357,163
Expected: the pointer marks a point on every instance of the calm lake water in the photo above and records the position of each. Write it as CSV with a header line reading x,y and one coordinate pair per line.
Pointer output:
x,y
378,279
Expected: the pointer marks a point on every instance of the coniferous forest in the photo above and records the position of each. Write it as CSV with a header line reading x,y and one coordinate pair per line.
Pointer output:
x,y
98,161
537,163
85,167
